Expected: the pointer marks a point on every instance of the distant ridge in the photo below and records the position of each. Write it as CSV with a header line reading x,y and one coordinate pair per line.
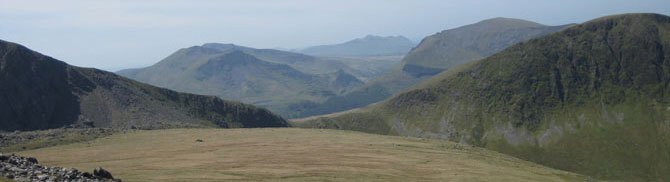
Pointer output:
x,y
369,45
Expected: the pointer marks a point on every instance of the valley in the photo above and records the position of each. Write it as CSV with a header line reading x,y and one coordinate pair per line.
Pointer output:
x,y
478,92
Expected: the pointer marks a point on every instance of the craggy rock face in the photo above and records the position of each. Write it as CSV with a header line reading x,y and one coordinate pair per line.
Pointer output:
x,y
28,169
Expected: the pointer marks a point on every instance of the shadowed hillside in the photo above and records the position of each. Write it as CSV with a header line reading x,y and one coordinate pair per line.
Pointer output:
x,y
591,99
39,92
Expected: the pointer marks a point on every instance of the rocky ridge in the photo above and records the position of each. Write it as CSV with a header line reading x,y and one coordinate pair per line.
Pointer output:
x,y
28,169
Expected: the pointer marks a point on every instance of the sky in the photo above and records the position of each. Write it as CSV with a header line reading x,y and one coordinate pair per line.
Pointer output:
x,y
114,35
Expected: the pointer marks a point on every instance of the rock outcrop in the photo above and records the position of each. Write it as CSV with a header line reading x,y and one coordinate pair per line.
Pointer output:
x,y
28,169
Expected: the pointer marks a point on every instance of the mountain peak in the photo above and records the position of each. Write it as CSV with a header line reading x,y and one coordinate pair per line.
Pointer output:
x,y
222,46
370,36
369,45
512,21
659,18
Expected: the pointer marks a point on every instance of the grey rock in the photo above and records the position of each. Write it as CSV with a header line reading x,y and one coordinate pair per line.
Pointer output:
x,y
27,169
43,177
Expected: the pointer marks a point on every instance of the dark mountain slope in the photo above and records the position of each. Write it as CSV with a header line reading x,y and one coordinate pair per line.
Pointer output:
x,y
367,46
592,99
39,92
435,54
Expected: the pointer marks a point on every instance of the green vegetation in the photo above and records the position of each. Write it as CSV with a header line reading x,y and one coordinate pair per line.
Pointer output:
x,y
288,154
436,53
590,99
269,78
40,92
367,46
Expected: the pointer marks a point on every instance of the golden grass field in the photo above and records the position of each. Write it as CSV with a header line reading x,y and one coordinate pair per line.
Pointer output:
x,y
289,154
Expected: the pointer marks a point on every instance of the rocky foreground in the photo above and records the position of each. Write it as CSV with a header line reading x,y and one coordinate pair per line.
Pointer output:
x,y
28,169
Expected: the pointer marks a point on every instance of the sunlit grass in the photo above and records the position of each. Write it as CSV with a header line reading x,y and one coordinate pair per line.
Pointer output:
x,y
290,154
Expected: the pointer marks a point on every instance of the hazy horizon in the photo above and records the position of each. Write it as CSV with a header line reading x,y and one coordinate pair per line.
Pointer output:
x,y
113,35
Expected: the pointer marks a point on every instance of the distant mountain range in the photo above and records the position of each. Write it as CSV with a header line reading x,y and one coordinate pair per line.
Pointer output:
x,y
367,46
271,78
39,92
592,98
433,55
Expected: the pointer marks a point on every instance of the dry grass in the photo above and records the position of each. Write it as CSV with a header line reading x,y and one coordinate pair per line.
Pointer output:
x,y
302,120
290,154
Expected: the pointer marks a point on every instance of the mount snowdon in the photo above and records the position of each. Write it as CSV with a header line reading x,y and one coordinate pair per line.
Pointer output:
x,y
39,92
271,78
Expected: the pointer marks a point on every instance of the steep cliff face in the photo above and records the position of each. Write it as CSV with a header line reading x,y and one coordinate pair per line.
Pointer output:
x,y
591,99
39,92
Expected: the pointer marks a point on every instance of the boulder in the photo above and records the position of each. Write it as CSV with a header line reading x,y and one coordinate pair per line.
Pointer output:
x,y
32,160
102,173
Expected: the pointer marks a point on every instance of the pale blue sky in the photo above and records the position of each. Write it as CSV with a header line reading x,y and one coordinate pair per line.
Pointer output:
x,y
112,35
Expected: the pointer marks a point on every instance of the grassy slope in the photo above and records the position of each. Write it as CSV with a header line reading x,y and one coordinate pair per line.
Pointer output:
x,y
590,99
290,155
442,51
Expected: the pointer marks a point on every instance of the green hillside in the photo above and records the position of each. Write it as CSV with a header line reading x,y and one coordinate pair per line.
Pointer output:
x,y
239,73
591,99
39,92
369,45
433,55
